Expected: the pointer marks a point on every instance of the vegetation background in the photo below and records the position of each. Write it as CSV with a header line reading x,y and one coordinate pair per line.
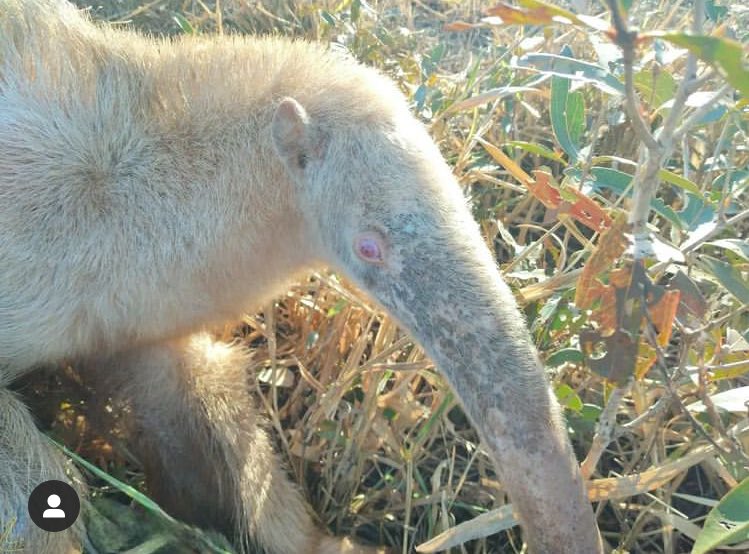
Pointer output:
x,y
571,134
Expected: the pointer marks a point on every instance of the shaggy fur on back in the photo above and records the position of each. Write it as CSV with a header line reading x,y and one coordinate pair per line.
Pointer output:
x,y
108,129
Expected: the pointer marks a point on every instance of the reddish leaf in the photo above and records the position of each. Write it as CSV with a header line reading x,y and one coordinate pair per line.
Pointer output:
x,y
543,190
618,361
628,305
582,209
611,246
536,12
460,26
517,16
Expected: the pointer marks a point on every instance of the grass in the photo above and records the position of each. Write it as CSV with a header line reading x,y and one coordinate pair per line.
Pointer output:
x,y
367,428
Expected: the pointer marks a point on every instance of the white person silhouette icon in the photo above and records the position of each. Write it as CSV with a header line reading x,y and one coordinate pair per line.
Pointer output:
x,y
54,506
53,501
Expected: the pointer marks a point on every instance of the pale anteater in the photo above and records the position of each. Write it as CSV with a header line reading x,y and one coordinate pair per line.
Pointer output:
x,y
150,189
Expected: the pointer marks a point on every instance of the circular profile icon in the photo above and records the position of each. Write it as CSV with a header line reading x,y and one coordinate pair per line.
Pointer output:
x,y
54,506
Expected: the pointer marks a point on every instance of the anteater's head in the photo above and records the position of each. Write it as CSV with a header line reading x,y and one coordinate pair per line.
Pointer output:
x,y
384,208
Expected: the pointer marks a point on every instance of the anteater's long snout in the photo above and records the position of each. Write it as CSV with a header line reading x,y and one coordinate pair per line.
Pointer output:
x,y
450,295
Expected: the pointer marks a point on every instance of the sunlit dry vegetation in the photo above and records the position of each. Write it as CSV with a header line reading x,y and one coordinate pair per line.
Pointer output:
x,y
575,139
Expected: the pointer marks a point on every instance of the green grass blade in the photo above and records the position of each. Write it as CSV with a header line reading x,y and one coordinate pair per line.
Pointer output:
x,y
728,522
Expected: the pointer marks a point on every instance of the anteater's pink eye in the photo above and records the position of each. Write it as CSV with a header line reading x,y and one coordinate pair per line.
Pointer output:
x,y
369,248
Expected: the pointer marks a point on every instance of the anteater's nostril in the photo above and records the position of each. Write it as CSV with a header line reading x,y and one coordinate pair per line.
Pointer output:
x,y
370,248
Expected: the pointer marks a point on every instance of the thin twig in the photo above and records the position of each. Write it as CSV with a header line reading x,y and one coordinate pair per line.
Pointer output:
x,y
658,408
662,365
686,87
605,430
626,40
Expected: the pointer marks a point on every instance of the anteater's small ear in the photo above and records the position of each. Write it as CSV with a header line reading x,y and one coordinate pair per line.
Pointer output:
x,y
291,134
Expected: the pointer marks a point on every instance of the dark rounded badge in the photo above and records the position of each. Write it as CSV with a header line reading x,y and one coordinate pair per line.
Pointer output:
x,y
54,506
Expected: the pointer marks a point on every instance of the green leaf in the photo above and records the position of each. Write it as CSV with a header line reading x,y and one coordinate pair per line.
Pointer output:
x,y
355,10
437,414
133,493
728,276
728,522
537,149
486,97
656,87
568,398
664,174
591,412
560,93
204,542
113,526
696,213
184,25
390,414
737,246
679,181
736,181
570,68
420,96
337,307
605,177
328,18
724,53
731,372
714,12
572,355
576,115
